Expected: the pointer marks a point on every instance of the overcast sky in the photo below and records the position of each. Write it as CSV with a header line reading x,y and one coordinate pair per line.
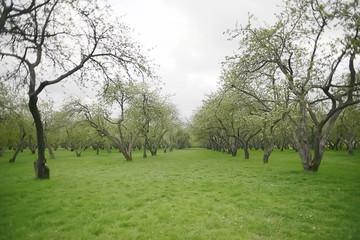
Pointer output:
x,y
187,40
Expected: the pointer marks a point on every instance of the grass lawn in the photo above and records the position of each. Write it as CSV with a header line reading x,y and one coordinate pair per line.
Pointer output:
x,y
185,194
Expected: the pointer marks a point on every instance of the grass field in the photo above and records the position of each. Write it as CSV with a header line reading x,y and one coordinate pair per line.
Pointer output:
x,y
185,194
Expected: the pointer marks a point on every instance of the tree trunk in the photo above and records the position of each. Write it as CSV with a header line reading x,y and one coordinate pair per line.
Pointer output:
x,y
145,143
126,151
32,145
42,171
246,151
351,148
266,157
153,151
234,147
108,148
52,155
96,146
337,144
2,150
234,152
268,143
268,148
302,145
302,142
78,153
349,141
128,156
247,154
21,143
318,153
283,142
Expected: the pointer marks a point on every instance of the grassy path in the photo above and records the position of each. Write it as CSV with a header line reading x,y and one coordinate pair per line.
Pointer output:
x,y
185,194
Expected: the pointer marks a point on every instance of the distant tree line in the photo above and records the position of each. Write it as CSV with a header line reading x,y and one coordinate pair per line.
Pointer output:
x,y
152,124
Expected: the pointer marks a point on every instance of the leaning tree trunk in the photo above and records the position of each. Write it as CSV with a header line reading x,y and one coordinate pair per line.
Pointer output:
x,y
52,155
124,150
32,145
128,155
21,143
42,171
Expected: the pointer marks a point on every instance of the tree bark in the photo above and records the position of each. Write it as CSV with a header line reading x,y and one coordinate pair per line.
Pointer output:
x,y
234,152
349,141
2,150
303,147
266,157
145,145
127,155
320,139
268,143
52,155
78,153
21,143
42,171
268,148
153,151
246,151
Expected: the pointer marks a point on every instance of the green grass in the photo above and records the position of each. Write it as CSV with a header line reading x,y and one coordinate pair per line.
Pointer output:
x,y
185,194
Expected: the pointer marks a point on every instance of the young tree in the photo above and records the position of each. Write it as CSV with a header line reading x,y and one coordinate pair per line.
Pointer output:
x,y
57,40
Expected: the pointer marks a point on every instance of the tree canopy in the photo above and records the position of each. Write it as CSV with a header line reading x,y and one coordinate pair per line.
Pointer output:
x,y
302,68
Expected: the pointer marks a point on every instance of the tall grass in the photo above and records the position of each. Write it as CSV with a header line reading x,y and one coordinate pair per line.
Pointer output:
x,y
185,194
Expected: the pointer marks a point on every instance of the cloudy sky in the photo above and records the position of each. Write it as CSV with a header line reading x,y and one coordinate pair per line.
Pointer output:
x,y
187,40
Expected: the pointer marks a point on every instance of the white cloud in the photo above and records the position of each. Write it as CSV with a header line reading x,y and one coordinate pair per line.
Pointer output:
x,y
187,40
